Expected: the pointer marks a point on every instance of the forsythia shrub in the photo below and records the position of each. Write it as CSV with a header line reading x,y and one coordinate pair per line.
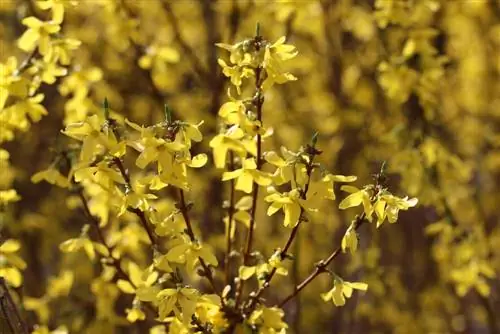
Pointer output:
x,y
168,168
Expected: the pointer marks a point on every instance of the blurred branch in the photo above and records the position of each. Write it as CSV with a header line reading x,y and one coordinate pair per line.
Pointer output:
x,y
26,63
188,51
10,312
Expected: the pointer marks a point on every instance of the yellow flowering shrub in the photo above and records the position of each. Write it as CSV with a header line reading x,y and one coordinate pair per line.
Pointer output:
x,y
240,166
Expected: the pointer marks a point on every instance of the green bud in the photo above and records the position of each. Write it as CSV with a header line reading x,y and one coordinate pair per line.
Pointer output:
x,y
106,108
168,114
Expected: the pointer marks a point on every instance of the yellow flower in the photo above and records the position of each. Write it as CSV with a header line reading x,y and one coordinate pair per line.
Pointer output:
x,y
342,290
52,176
289,202
8,196
239,53
11,263
46,330
10,83
158,56
61,50
38,34
327,183
246,175
182,301
268,319
185,251
284,170
15,115
350,240
357,197
235,113
274,57
135,198
236,73
83,241
49,71
57,7
233,139
94,138
142,283
135,314
392,206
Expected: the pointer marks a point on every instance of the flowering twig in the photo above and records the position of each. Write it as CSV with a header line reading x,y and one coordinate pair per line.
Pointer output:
x,y
321,266
230,211
138,213
259,102
110,259
189,229
312,152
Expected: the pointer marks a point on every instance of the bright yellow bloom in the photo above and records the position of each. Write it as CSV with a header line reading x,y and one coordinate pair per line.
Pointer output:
x,y
233,139
10,83
269,320
11,263
142,283
274,57
95,138
342,290
185,251
8,196
289,202
52,176
38,34
247,175
182,301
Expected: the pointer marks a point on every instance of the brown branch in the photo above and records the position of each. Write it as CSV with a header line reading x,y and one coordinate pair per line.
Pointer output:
x,y
380,180
26,63
19,325
321,265
230,210
190,232
259,101
142,217
312,152
113,261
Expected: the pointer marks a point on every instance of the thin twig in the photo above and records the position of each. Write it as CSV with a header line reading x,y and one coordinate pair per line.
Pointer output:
x,y
20,325
309,169
139,213
230,210
259,102
26,63
321,265
190,232
113,261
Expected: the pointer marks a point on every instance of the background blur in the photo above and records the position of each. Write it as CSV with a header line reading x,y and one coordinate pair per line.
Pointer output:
x,y
415,83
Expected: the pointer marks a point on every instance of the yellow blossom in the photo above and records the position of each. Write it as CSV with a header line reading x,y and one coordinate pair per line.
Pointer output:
x,y
342,290
246,175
